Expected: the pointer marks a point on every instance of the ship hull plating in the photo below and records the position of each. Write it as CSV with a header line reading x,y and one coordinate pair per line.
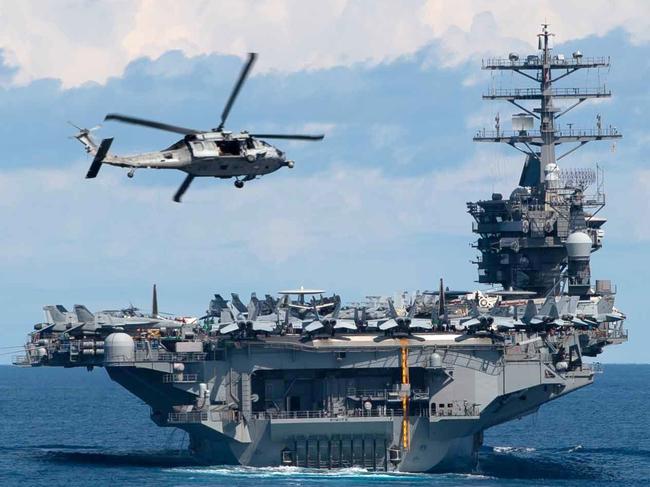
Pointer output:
x,y
427,453
314,408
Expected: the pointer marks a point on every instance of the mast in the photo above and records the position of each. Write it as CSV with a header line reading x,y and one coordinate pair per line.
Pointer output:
x,y
514,253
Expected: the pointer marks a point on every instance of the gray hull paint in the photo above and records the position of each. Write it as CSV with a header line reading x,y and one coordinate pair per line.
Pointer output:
x,y
499,384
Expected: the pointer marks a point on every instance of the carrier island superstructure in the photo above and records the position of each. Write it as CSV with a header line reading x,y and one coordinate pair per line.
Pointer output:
x,y
405,384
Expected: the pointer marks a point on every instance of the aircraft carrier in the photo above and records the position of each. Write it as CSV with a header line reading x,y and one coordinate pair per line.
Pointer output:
x,y
406,383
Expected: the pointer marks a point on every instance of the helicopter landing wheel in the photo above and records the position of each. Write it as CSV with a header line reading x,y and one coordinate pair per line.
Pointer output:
x,y
239,184
131,173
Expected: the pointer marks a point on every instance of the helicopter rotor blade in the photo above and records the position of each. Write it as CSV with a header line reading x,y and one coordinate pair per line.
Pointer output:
x,y
150,123
289,136
235,91
183,187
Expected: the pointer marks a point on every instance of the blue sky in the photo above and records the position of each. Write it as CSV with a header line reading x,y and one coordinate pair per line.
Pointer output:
x,y
377,207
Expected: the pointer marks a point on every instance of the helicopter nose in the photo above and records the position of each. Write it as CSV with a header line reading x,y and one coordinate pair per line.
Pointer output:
x,y
290,164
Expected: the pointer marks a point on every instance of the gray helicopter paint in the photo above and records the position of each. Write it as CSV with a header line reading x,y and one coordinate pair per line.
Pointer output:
x,y
216,153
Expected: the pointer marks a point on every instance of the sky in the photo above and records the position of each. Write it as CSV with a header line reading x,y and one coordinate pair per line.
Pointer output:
x,y
375,208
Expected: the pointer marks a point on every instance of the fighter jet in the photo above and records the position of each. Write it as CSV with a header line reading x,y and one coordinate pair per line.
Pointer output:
x,y
547,317
246,325
396,326
328,326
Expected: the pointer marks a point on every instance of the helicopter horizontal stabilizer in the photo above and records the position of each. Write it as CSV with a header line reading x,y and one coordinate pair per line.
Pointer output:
x,y
93,170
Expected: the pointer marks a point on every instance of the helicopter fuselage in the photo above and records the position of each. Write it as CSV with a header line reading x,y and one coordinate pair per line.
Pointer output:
x,y
204,156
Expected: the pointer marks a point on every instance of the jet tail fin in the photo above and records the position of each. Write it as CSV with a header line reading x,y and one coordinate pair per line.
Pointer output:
x,y
337,308
413,309
96,165
392,312
237,303
83,315
473,309
218,302
545,310
253,308
53,315
226,316
271,303
529,312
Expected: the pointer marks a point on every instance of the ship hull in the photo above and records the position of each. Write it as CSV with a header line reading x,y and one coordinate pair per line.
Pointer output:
x,y
425,454
321,409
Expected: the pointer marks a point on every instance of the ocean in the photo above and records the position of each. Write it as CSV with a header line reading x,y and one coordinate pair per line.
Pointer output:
x,y
77,428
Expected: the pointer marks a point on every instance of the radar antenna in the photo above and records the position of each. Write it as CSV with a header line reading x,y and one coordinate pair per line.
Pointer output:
x,y
522,239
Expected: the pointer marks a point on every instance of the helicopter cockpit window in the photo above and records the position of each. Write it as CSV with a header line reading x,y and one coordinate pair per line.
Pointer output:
x,y
250,144
229,147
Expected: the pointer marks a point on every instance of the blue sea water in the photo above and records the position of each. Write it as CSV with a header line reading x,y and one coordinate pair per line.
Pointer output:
x,y
75,428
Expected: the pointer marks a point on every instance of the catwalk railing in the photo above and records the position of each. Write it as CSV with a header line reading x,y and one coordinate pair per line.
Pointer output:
x,y
179,378
456,408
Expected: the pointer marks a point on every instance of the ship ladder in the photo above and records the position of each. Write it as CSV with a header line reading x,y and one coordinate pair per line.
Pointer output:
x,y
405,391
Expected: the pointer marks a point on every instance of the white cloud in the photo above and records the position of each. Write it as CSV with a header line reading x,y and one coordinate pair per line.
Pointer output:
x,y
627,204
54,215
79,41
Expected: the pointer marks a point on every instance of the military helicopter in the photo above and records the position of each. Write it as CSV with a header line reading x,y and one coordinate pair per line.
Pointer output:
x,y
213,153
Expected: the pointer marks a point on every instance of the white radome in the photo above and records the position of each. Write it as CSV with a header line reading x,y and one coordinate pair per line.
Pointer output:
x,y
578,245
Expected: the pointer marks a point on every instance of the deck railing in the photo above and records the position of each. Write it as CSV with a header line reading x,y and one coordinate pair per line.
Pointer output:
x,y
455,408
163,356
179,378
202,415
188,417
351,413
385,394
535,61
